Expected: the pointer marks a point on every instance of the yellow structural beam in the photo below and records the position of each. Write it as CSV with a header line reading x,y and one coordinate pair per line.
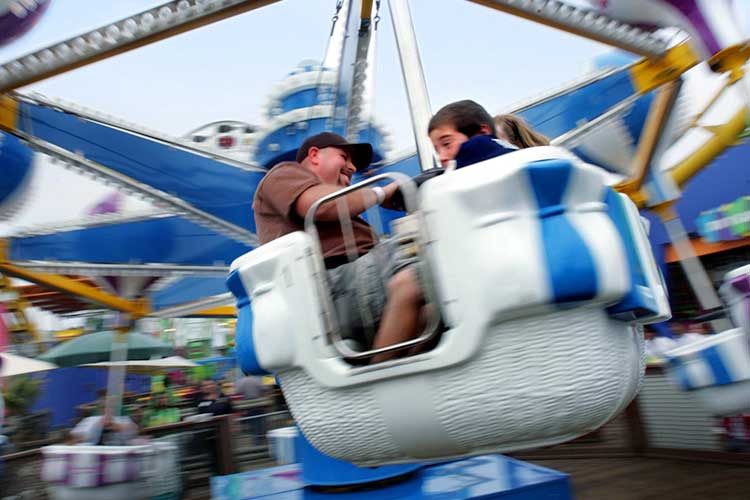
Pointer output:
x,y
71,286
728,60
366,12
218,312
8,113
648,74
652,133
724,136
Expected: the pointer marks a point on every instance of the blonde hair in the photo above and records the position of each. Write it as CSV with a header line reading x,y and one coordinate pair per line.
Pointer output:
x,y
517,132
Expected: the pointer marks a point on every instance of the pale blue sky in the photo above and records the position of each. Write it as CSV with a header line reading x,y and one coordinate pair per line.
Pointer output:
x,y
226,70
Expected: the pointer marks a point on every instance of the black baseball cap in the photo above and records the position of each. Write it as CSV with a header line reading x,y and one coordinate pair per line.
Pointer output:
x,y
360,153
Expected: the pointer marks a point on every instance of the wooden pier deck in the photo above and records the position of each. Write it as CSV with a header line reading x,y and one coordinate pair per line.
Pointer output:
x,y
639,478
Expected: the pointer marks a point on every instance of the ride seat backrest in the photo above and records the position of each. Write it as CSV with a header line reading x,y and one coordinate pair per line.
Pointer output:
x,y
646,300
523,233
736,294
278,278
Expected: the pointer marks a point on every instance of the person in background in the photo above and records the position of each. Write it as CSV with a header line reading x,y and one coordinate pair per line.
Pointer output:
x,y
214,402
250,388
104,429
160,412
734,431
686,332
515,130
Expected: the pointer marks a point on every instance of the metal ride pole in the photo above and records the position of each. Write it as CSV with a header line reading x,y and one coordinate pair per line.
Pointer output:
x,y
694,271
116,373
416,87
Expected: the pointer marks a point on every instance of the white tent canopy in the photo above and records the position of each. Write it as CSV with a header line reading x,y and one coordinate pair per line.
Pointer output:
x,y
19,365
148,365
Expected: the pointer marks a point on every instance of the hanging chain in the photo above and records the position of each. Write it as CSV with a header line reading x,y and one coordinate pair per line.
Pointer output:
x,y
335,17
377,15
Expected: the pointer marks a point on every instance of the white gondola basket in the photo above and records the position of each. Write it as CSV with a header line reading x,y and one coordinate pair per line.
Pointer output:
x,y
715,371
96,472
518,367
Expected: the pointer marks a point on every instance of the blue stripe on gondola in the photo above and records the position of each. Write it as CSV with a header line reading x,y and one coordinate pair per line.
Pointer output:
x,y
570,266
246,354
680,374
713,357
638,301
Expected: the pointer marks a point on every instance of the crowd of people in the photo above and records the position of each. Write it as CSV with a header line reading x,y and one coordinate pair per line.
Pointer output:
x,y
207,399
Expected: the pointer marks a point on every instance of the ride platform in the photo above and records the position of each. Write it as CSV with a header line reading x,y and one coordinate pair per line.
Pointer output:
x,y
485,477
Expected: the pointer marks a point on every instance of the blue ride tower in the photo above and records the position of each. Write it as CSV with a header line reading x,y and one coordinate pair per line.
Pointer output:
x,y
302,105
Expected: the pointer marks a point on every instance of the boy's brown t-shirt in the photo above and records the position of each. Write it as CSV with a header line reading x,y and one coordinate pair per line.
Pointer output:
x,y
275,215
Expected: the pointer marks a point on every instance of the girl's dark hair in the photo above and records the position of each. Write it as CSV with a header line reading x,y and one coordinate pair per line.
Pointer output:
x,y
465,116
518,132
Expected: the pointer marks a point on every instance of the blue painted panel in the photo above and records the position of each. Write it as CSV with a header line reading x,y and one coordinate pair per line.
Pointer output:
x,y
307,97
243,330
210,185
319,469
64,389
723,181
169,240
636,118
187,290
15,167
488,476
563,113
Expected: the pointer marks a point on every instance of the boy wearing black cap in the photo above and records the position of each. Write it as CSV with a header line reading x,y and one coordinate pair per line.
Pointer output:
x,y
325,164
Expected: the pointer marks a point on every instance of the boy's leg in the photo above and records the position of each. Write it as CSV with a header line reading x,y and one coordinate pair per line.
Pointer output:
x,y
400,320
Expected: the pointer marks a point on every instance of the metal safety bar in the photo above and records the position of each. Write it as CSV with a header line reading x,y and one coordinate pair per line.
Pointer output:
x,y
96,269
409,192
